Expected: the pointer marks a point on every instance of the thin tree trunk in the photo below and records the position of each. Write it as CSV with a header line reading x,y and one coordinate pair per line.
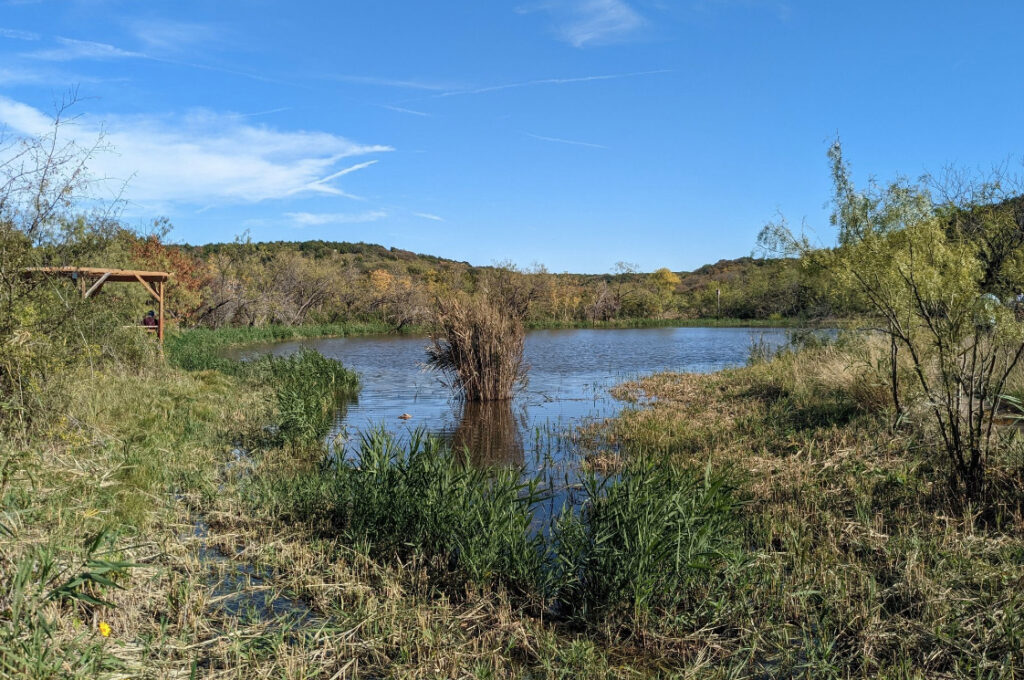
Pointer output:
x,y
894,379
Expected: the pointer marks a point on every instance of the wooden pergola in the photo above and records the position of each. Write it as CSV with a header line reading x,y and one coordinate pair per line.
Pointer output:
x,y
90,281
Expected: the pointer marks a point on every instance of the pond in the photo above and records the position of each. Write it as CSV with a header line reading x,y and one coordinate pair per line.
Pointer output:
x,y
570,373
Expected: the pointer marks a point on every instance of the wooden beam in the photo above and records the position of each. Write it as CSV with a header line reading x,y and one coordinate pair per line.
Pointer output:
x,y
160,323
96,286
116,274
147,287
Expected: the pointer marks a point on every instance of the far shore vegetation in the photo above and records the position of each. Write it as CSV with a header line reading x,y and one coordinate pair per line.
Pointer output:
x,y
848,507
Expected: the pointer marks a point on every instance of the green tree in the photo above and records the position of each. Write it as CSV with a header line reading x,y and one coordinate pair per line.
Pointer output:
x,y
665,281
921,278
44,325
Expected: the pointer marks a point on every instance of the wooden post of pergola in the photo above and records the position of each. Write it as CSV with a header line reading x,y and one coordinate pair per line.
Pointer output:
x,y
91,280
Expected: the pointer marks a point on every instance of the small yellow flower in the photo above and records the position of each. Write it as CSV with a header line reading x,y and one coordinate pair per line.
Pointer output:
x,y
104,629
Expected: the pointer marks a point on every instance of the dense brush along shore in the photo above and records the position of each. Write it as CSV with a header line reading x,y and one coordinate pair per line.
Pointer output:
x,y
186,520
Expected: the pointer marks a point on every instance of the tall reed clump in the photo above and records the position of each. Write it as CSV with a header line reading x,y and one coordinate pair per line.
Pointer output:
x,y
477,342
655,544
307,385
420,500
658,541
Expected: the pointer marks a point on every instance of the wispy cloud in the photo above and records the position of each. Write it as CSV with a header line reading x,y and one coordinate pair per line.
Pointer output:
x,y
550,81
19,76
394,82
559,140
171,36
583,23
71,49
256,114
305,219
323,186
428,216
15,34
401,109
204,157
601,21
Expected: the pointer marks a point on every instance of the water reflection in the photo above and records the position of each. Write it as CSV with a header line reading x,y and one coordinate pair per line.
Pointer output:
x,y
570,373
491,432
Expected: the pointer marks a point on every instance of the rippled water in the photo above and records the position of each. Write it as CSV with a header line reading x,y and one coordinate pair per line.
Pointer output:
x,y
570,372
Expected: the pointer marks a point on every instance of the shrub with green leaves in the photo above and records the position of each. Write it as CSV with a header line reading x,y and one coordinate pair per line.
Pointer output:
x,y
930,273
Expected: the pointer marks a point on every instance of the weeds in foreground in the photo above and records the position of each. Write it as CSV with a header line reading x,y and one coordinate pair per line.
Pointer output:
x,y
651,543
843,560
655,542
861,562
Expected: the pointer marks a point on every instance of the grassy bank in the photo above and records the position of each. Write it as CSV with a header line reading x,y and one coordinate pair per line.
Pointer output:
x,y
107,570
202,348
760,522
862,563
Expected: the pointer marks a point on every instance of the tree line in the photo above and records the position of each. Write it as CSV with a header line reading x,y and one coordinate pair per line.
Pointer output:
x,y
293,283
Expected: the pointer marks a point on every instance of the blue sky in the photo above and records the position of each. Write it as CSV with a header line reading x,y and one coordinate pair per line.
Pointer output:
x,y
571,133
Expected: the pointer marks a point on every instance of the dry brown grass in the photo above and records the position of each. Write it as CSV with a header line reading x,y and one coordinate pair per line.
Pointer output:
x,y
867,566
477,344
857,567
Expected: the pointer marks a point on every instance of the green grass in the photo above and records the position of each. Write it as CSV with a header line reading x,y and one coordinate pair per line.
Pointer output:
x,y
418,501
203,348
758,522
86,505
655,543
860,563
307,385
96,505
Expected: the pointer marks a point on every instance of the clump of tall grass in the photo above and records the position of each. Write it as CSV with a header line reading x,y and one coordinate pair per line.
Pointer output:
x,y
307,385
653,541
420,500
656,541
477,345
200,349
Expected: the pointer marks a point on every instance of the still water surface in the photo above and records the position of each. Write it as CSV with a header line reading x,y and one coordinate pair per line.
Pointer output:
x,y
570,373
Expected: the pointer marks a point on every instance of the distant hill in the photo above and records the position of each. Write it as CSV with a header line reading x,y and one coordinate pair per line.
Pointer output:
x,y
728,272
291,281
319,249
722,271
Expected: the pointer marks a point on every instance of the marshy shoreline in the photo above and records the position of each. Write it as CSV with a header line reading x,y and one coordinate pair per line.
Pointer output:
x,y
760,521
